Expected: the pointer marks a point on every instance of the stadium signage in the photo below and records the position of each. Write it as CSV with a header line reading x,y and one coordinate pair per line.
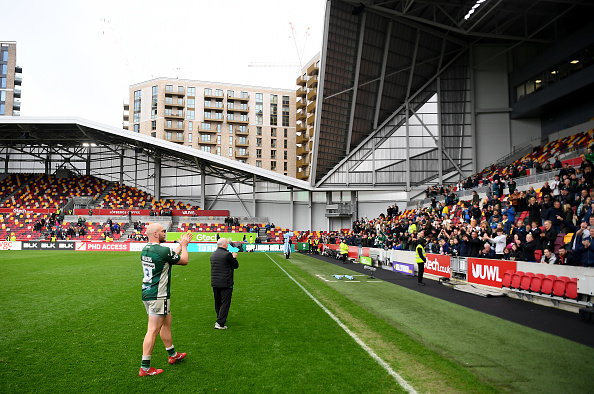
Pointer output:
x,y
142,212
102,246
438,265
488,272
67,245
365,260
267,248
48,245
10,245
26,210
210,237
35,245
403,268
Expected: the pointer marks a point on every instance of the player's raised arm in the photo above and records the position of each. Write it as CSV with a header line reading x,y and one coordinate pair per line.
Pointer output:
x,y
183,246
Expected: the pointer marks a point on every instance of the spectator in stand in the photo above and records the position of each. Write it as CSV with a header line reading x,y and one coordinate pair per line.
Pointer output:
x,y
587,251
548,257
544,207
546,189
566,258
557,165
531,193
498,241
444,247
555,186
555,216
511,185
510,211
548,236
514,252
475,197
534,210
567,219
475,211
474,244
486,252
528,249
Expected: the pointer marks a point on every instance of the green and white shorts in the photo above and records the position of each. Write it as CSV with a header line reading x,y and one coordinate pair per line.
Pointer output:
x,y
160,307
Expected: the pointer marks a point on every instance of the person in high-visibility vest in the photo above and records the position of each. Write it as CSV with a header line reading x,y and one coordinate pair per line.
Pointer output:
x,y
420,259
344,251
13,237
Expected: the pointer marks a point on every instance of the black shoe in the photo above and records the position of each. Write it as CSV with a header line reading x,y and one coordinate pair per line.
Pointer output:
x,y
421,284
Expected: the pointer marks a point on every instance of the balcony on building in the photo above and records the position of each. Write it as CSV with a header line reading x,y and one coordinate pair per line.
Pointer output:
x,y
18,79
238,97
312,94
176,92
238,120
312,82
304,162
302,150
17,93
303,175
301,116
174,139
18,69
240,110
311,107
239,131
302,138
174,115
212,141
126,118
241,155
170,102
219,119
16,113
16,104
173,127
300,104
311,119
301,81
300,127
242,142
313,70
301,92
214,95
209,130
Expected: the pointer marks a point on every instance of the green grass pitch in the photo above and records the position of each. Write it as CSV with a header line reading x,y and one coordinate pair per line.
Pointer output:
x,y
74,322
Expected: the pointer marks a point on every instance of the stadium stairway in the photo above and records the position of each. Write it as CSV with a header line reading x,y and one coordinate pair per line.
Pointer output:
x,y
106,191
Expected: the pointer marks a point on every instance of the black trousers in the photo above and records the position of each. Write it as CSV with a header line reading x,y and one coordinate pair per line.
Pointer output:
x,y
421,267
222,297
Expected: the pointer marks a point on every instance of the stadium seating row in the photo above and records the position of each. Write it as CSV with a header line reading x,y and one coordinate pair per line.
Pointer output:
x,y
560,286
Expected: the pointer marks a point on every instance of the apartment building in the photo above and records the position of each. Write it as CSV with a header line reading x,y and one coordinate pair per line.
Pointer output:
x,y
254,125
10,80
307,92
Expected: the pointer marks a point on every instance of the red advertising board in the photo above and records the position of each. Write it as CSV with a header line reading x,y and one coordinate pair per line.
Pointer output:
x,y
199,212
439,265
26,210
103,246
488,272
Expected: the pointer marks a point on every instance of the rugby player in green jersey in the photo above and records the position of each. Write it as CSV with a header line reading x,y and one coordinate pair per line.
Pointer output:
x,y
157,261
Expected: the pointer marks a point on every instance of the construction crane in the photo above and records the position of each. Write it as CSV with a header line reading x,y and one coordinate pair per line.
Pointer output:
x,y
299,53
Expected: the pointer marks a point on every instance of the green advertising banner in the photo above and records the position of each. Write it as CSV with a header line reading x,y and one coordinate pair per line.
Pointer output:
x,y
365,260
302,246
212,237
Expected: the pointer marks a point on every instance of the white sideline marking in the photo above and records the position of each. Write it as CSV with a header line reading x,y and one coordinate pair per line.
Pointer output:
x,y
369,351
321,277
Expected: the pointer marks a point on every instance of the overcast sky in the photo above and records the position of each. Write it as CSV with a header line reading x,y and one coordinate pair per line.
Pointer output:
x,y
80,57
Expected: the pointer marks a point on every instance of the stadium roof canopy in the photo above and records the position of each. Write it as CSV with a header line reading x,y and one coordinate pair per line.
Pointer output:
x,y
83,146
382,61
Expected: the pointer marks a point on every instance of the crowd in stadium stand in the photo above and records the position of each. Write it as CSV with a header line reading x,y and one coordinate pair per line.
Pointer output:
x,y
551,225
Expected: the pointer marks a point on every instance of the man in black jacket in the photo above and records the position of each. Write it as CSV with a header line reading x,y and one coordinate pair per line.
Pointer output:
x,y
222,264
474,245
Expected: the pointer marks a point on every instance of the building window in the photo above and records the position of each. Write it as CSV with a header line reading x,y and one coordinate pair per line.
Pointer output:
x,y
205,148
244,106
4,57
285,144
136,117
169,88
273,132
230,129
230,93
242,129
219,93
285,110
259,153
230,117
273,154
207,91
218,150
191,114
180,136
168,135
242,152
2,95
205,138
192,91
230,141
258,141
285,155
243,117
258,131
218,104
285,133
137,102
191,103
205,126
285,166
154,134
219,127
153,125
180,124
168,111
207,115
244,95
206,103
230,105
190,126
180,89
273,143
273,109
189,137
219,139
273,165
168,124
137,128
259,119
219,115
230,152
259,163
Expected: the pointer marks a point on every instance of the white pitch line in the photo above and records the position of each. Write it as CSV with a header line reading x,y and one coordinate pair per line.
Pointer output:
x,y
369,351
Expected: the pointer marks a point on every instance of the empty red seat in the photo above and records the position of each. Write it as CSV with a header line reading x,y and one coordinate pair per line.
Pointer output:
x,y
537,255
516,279
559,286
536,282
571,289
507,278
547,284
526,280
